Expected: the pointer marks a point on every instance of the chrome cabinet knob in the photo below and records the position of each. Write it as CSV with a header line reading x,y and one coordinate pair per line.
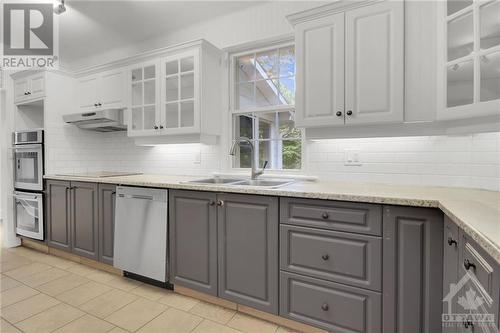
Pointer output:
x,y
325,257
325,216
349,113
324,307
338,113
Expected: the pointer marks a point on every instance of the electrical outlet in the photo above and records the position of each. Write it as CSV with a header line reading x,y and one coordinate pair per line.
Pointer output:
x,y
352,157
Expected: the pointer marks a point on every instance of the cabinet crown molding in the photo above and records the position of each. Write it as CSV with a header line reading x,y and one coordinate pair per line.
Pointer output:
x,y
145,56
326,10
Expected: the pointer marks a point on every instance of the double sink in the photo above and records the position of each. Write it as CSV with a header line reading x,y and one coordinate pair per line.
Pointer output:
x,y
267,183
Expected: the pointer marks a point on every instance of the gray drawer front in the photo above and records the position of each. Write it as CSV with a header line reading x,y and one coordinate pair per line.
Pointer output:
x,y
331,306
335,215
336,256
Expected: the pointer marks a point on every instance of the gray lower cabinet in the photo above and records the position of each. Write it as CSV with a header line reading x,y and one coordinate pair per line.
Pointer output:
x,y
193,240
225,245
57,213
412,269
248,250
80,218
332,306
107,199
84,219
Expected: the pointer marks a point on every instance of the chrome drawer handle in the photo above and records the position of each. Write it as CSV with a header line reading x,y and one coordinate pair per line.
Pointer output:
x,y
325,257
451,241
325,307
468,324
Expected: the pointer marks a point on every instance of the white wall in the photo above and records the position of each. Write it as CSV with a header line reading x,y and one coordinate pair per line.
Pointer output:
x,y
464,161
254,23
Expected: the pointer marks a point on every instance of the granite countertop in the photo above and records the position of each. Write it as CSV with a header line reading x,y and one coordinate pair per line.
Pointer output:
x,y
477,212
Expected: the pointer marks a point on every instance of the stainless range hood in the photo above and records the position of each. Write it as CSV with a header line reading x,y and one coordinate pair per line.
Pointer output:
x,y
107,120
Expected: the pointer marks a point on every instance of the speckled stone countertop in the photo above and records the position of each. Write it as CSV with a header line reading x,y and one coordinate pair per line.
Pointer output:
x,y
477,212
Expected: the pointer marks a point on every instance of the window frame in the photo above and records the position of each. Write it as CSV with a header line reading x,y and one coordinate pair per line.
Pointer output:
x,y
258,47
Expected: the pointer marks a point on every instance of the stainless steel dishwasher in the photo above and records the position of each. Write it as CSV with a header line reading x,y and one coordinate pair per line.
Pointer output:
x,y
141,228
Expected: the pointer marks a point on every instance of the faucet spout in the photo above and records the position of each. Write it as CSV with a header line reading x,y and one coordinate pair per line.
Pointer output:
x,y
232,151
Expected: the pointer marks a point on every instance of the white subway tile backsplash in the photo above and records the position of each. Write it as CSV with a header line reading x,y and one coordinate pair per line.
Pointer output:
x,y
462,161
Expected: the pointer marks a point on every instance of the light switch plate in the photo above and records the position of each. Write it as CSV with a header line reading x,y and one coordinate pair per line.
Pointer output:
x,y
352,157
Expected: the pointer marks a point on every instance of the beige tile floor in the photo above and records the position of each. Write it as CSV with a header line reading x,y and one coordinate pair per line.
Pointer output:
x,y
43,293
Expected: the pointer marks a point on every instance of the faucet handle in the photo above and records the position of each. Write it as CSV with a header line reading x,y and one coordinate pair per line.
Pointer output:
x,y
265,165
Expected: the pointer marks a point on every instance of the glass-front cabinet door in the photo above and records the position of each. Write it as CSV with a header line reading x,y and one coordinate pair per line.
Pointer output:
x,y
180,93
144,92
469,72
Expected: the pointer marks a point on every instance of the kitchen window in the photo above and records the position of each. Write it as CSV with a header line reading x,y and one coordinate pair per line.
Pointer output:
x,y
263,108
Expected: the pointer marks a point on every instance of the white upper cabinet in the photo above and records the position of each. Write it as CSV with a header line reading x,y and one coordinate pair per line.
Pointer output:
x,y
177,96
350,64
374,71
468,59
320,71
103,90
29,88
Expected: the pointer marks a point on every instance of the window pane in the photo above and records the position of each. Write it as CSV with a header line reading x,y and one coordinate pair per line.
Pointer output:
x,y
245,157
490,77
149,117
460,84
245,70
490,25
460,36
187,114
456,5
172,115
137,74
137,94
266,65
243,127
244,95
172,88
187,86
292,154
172,67
265,153
187,64
286,88
266,93
266,126
149,92
287,129
137,119
287,61
149,72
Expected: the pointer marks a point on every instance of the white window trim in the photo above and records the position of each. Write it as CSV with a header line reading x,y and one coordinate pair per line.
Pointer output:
x,y
256,47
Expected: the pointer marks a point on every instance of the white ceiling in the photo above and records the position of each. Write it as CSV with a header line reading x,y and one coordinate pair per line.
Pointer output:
x,y
93,27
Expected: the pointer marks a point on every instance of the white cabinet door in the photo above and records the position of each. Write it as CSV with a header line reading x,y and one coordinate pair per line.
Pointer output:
x,y
37,86
112,89
320,72
21,87
143,90
374,69
180,93
87,93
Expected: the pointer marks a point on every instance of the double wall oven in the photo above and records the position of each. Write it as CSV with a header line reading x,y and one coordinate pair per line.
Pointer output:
x,y
28,183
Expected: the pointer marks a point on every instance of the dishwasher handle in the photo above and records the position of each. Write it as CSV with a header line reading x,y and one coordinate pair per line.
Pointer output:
x,y
136,196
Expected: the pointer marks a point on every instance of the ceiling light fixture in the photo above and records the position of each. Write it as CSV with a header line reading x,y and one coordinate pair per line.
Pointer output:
x,y
59,8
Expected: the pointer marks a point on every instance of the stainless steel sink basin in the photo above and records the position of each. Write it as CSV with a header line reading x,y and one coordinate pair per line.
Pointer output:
x,y
264,183
215,180
269,183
